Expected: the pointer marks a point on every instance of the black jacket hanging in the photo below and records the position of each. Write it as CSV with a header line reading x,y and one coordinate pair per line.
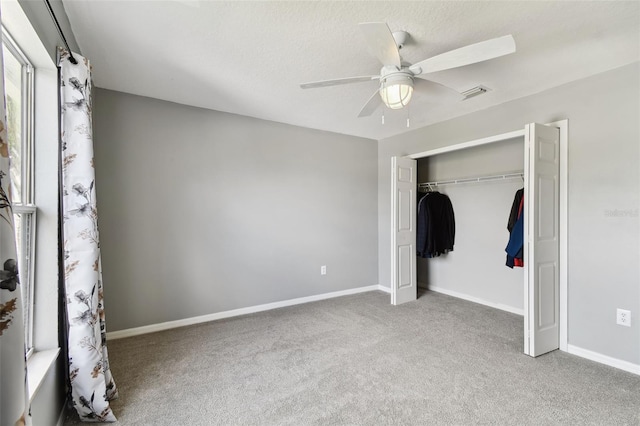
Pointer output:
x,y
421,225
513,216
436,228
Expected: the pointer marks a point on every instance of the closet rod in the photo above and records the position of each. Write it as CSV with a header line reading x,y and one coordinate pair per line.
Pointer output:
x,y
472,180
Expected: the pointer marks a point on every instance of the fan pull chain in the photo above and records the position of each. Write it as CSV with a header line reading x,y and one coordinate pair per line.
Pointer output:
x,y
382,117
408,122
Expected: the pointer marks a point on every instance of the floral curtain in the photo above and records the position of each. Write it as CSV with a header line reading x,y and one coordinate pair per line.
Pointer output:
x,y
13,395
92,386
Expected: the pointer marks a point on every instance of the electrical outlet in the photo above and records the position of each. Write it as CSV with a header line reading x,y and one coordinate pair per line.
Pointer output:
x,y
623,317
323,270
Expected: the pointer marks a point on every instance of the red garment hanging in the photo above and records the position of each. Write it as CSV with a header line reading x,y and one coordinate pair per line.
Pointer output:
x,y
517,261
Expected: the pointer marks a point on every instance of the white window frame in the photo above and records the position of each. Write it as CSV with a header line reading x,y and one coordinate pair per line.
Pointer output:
x,y
28,213
26,209
44,376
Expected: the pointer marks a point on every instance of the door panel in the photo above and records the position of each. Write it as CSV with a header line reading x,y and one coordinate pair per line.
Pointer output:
x,y
541,251
546,291
404,210
403,238
405,262
547,207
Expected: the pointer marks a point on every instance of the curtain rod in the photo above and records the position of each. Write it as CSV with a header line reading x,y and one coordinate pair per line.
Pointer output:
x,y
55,20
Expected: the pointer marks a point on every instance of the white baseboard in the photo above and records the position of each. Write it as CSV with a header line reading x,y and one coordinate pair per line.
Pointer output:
x,y
474,299
136,331
574,350
385,289
604,359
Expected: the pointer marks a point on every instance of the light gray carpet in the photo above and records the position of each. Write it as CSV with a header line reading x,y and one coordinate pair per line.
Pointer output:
x,y
357,360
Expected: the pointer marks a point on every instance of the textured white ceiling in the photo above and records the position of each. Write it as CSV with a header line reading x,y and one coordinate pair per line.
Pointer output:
x,y
250,57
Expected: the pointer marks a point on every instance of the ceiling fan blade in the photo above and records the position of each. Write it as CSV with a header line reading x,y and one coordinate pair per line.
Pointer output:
x,y
381,42
372,104
337,81
435,89
467,55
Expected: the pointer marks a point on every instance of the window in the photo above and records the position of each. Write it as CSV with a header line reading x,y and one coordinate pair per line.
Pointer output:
x,y
18,83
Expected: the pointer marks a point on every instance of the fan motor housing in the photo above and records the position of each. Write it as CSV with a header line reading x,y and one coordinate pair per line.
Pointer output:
x,y
390,74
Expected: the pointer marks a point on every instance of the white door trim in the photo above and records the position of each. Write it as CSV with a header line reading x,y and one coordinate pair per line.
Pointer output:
x,y
469,144
563,125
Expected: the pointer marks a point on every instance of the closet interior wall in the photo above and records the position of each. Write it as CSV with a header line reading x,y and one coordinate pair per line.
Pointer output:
x,y
475,269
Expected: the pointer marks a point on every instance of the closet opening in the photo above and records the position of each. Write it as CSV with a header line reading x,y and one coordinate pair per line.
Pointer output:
x,y
480,183
544,223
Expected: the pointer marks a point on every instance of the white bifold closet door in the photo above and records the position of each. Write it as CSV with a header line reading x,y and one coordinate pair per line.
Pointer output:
x,y
403,200
542,251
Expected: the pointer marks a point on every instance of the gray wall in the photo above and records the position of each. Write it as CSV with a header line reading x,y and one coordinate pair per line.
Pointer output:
x,y
202,211
604,196
481,213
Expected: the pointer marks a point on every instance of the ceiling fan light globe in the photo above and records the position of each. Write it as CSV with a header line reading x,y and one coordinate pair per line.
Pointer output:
x,y
396,95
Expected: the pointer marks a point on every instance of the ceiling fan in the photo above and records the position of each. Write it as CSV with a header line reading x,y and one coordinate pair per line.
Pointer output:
x,y
397,78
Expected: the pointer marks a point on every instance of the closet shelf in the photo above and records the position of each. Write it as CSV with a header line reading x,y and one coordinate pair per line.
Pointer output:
x,y
433,184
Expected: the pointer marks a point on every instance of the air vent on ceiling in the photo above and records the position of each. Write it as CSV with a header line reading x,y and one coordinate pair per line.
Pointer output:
x,y
474,91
